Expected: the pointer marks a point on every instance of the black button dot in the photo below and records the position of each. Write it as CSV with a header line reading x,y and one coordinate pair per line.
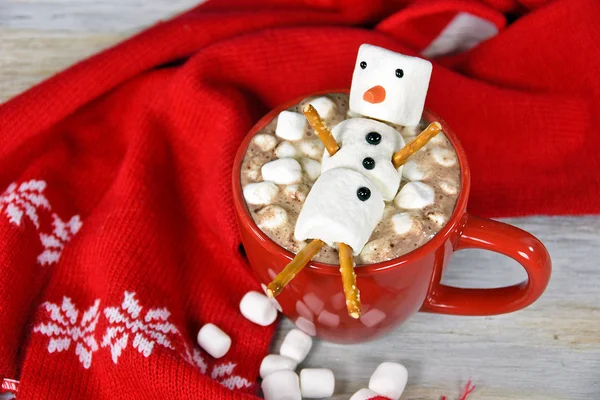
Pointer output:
x,y
363,64
399,73
368,163
363,193
373,138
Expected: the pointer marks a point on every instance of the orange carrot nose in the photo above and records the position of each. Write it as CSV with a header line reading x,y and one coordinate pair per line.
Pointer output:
x,y
375,95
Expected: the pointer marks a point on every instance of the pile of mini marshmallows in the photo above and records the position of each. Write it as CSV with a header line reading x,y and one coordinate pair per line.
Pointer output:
x,y
295,156
280,381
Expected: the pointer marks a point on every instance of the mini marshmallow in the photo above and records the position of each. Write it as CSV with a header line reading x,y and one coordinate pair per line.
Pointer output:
x,y
335,213
372,159
364,394
285,149
290,125
260,193
257,308
271,217
415,195
323,105
213,340
444,157
275,362
389,86
389,380
283,171
375,250
296,345
265,142
317,383
311,167
306,326
311,148
437,217
296,192
448,187
402,223
281,385
412,171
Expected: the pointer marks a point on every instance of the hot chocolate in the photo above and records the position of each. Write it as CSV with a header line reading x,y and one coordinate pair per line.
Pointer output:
x,y
284,159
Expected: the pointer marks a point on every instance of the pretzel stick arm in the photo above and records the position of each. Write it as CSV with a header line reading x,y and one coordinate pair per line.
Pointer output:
x,y
400,157
322,131
291,270
349,280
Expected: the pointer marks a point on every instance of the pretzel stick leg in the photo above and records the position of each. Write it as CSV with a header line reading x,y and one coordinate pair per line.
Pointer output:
x,y
402,155
289,272
322,131
349,280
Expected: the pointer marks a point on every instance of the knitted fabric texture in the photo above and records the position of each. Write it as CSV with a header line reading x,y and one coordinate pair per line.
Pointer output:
x,y
118,239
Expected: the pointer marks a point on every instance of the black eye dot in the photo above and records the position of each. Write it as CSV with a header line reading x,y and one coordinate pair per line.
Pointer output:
x,y
363,64
363,193
373,138
368,163
399,73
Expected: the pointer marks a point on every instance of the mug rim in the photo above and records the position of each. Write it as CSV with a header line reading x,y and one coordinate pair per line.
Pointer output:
x,y
365,269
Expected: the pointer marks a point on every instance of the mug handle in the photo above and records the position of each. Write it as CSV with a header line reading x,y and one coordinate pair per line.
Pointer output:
x,y
486,234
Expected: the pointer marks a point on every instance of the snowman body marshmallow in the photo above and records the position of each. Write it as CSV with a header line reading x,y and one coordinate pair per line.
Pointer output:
x,y
389,86
367,146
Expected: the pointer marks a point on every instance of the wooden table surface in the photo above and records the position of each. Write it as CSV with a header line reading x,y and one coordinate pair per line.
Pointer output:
x,y
549,351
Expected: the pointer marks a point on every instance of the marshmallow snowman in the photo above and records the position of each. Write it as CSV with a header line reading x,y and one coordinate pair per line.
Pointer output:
x,y
367,146
389,86
343,206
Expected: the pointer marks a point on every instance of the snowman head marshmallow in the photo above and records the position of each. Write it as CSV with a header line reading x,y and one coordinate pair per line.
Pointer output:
x,y
389,86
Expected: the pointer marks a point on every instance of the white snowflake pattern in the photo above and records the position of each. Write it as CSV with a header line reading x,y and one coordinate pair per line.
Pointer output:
x,y
65,327
150,330
24,199
54,243
223,373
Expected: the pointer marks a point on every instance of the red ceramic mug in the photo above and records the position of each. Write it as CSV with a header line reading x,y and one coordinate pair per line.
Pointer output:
x,y
392,291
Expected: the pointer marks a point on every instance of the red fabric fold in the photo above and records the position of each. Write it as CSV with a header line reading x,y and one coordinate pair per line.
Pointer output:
x,y
118,239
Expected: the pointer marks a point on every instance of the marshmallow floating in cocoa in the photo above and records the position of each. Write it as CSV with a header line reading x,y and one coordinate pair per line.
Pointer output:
x,y
285,150
343,206
323,105
413,171
271,217
402,222
265,142
389,86
311,167
260,193
290,125
283,171
415,195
